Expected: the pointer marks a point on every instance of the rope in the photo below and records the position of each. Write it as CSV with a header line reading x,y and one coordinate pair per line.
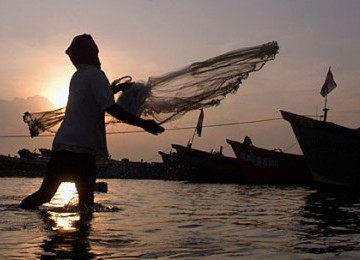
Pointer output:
x,y
167,129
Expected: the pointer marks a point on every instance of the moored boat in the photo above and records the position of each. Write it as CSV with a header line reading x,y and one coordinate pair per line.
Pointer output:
x,y
331,151
174,168
274,167
208,167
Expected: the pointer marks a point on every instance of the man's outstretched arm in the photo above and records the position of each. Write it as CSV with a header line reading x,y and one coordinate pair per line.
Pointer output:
x,y
121,114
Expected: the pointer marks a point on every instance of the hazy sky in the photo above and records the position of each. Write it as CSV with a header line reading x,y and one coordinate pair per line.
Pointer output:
x,y
149,38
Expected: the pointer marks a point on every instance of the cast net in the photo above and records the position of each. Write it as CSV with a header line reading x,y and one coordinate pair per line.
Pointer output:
x,y
170,96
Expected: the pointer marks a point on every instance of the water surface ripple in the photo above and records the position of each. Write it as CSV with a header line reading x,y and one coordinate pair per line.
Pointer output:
x,y
168,220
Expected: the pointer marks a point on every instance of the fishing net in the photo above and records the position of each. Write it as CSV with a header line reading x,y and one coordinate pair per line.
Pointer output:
x,y
39,122
197,86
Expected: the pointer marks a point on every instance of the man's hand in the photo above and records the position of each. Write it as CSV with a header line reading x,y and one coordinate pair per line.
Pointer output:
x,y
152,127
121,84
121,87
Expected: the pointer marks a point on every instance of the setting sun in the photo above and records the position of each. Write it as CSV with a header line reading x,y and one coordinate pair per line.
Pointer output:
x,y
57,91
59,95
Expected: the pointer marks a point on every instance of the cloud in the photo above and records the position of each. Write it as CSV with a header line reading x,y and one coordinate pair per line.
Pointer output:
x,y
12,112
13,125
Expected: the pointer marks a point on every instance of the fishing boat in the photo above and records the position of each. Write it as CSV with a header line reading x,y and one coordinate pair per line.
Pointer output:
x,y
272,167
208,167
331,151
174,168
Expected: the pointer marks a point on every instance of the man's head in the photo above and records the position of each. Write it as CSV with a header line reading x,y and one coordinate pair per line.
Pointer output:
x,y
83,50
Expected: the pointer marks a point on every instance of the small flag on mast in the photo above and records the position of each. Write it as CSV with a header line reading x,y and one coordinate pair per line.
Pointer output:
x,y
200,123
328,85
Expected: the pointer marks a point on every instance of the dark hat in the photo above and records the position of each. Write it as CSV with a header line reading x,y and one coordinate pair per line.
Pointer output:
x,y
82,45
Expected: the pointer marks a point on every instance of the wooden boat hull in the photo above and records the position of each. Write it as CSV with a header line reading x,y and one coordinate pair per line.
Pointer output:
x,y
206,167
331,151
262,166
174,168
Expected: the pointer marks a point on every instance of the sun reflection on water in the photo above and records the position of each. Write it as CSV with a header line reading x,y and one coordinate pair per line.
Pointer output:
x,y
64,221
65,193
63,215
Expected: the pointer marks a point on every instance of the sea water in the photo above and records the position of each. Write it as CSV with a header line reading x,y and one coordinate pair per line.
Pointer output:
x,y
154,219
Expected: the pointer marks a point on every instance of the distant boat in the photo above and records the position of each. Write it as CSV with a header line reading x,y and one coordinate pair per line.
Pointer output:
x,y
208,167
273,167
174,168
331,151
126,169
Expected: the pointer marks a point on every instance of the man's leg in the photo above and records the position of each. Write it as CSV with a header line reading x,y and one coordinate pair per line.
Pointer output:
x,y
47,189
85,180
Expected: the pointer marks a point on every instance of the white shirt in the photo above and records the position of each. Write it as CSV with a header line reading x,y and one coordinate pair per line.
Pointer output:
x,y
83,128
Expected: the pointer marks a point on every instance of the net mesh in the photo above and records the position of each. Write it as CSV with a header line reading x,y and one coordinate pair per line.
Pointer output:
x,y
167,97
39,122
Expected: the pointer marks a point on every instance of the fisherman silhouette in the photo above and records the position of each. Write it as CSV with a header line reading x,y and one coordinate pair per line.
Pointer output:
x,y
82,136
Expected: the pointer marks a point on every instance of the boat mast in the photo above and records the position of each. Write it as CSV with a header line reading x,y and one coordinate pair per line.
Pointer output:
x,y
198,128
325,109
189,144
